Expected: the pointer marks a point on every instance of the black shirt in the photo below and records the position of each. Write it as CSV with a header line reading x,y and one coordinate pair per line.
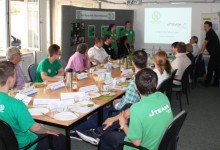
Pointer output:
x,y
109,50
213,45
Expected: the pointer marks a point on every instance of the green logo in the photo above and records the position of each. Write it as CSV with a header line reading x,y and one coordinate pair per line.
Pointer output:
x,y
156,17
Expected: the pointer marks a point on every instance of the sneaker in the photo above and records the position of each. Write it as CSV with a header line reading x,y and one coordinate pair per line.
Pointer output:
x,y
74,135
89,136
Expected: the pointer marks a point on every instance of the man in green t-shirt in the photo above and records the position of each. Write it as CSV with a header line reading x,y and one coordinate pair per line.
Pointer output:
x,y
149,117
49,67
129,32
15,113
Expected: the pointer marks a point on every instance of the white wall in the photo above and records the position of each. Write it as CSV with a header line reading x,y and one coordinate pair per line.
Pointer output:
x,y
197,27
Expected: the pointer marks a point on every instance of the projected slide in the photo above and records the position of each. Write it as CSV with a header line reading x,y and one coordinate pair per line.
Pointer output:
x,y
167,25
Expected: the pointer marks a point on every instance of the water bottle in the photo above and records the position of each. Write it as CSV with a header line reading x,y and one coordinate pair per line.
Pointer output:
x,y
69,78
125,63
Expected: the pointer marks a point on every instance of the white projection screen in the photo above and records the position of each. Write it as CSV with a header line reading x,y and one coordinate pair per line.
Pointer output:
x,y
167,25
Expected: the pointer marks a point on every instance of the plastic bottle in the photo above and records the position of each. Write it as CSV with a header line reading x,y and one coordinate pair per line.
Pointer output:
x,y
69,78
74,82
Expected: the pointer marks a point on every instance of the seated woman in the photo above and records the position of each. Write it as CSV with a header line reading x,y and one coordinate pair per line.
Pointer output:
x,y
123,47
49,67
97,54
189,50
79,61
162,66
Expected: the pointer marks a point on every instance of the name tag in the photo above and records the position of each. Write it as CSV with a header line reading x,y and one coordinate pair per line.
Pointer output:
x,y
25,99
56,85
127,72
29,91
82,76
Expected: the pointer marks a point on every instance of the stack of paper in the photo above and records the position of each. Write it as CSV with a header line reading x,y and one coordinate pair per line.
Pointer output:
x,y
44,102
25,99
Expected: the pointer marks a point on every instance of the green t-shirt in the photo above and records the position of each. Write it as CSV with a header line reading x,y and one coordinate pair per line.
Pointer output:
x,y
46,66
17,115
114,37
130,34
149,119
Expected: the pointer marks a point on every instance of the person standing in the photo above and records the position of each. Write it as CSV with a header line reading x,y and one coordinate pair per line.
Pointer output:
x,y
212,44
129,32
112,31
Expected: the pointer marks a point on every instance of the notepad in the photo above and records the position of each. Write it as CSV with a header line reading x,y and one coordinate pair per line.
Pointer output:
x,y
91,88
56,85
29,91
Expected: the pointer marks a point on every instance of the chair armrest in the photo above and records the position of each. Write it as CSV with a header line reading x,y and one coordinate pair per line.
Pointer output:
x,y
40,137
131,145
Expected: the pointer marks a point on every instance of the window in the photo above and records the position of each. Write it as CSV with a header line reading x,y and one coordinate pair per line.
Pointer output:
x,y
3,27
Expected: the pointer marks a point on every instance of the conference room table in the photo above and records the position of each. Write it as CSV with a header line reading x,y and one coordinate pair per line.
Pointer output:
x,y
68,125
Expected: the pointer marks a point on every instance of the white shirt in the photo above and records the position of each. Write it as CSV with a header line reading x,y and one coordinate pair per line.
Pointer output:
x,y
180,63
97,53
195,49
161,77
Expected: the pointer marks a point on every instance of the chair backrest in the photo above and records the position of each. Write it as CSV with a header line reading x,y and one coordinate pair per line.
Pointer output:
x,y
166,85
63,63
185,77
32,71
170,137
8,140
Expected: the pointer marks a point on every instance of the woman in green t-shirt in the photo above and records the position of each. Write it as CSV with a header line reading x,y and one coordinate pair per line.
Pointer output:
x,y
112,31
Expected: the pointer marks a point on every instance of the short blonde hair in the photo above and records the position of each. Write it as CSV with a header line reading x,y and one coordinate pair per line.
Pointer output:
x,y
189,48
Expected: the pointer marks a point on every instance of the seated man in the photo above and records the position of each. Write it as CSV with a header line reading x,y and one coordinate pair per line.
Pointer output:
x,y
181,62
49,67
149,117
139,61
79,61
194,42
17,115
13,55
97,54
108,47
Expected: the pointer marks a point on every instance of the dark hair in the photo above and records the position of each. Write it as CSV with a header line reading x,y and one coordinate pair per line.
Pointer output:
x,y
53,49
110,27
127,22
98,39
146,81
195,39
209,23
7,69
139,58
108,36
82,48
122,40
174,44
181,47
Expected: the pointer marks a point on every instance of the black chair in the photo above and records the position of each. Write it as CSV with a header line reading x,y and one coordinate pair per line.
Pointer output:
x,y
32,71
166,86
8,140
170,137
183,88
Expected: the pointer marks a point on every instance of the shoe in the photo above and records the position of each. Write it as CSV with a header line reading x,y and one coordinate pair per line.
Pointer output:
x,y
89,136
74,135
